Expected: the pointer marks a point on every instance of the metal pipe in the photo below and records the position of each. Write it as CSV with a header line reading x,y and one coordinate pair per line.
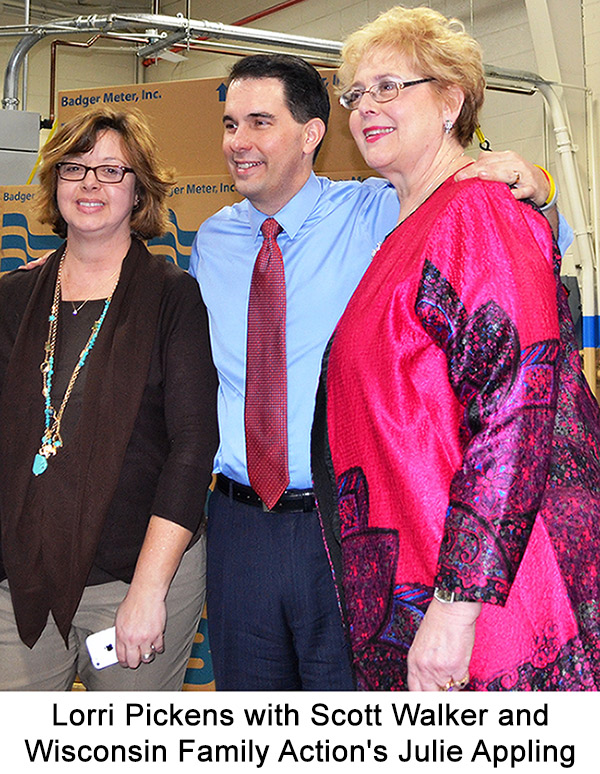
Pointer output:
x,y
26,60
14,30
583,237
239,23
11,76
592,172
27,42
594,197
228,31
122,22
47,123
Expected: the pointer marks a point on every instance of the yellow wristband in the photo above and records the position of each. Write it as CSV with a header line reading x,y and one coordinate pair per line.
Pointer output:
x,y
553,193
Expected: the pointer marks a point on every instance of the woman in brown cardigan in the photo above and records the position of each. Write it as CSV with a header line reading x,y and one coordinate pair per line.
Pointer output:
x,y
107,426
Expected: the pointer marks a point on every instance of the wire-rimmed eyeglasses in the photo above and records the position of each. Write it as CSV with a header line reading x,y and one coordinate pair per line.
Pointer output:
x,y
382,91
105,173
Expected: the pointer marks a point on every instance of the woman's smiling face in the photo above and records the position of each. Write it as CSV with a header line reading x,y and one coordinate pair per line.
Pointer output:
x,y
93,208
393,136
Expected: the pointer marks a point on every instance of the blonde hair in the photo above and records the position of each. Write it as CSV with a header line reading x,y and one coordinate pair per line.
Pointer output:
x,y
438,47
150,217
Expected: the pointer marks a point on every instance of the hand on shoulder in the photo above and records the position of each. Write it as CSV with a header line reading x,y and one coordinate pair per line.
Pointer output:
x,y
38,262
526,180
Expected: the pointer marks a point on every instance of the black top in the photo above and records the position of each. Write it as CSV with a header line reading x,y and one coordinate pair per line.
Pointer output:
x,y
72,335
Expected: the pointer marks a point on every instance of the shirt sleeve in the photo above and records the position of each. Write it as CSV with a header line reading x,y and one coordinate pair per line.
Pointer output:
x,y
565,234
190,390
195,256
487,298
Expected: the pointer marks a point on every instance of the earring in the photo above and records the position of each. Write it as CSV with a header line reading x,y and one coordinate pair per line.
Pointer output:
x,y
448,124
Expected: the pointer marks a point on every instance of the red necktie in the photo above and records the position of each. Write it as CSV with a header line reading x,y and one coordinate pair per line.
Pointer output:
x,y
266,372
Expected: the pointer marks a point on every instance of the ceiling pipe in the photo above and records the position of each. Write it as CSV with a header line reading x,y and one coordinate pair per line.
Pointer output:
x,y
192,28
11,75
47,123
28,41
148,61
228,32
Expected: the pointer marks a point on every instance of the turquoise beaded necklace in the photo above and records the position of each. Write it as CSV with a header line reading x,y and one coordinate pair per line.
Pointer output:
x,y
51,440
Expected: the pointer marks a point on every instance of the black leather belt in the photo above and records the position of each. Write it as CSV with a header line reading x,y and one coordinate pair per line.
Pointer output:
x,y
291,500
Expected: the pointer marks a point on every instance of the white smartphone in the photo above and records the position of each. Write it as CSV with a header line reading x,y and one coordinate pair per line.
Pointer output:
x,y
102,648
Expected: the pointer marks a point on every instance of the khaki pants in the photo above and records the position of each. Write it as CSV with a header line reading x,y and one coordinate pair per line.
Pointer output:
x,y
50,666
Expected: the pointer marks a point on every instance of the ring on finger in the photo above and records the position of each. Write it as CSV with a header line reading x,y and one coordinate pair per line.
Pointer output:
x,y
147,656
455,685
517,178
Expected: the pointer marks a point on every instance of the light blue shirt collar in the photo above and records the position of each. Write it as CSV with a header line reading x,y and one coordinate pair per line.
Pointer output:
x,y
292,215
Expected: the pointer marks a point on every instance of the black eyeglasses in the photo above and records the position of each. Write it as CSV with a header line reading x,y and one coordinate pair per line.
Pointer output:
x,y
105,173
383,91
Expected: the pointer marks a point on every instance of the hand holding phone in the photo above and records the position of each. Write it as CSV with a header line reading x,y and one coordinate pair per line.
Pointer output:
x,y
102,647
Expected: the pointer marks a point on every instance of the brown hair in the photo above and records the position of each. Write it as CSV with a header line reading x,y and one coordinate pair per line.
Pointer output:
x,y
438,47
153,181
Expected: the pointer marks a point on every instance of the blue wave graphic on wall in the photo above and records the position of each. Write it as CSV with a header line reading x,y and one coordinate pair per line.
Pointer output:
x,y
180,242
18,249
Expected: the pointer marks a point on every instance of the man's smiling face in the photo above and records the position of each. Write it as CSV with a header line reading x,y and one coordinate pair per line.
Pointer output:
x,y
266,149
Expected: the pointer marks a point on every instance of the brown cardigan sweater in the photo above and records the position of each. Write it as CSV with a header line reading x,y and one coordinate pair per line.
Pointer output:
x,y
143,446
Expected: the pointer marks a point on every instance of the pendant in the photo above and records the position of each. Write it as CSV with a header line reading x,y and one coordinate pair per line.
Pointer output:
x,y
40,463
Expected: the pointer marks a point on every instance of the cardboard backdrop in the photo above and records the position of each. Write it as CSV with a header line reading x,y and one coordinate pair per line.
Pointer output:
x,y
185,118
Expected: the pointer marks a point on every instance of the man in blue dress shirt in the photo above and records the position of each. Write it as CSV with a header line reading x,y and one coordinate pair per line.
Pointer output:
x,y
274,619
